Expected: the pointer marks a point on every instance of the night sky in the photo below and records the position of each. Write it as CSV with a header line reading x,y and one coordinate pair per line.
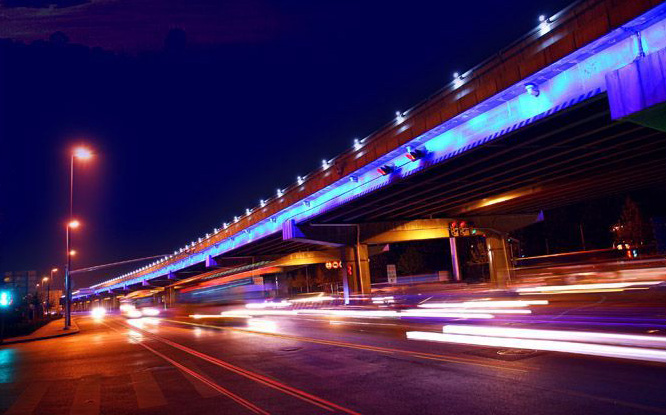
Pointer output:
x,y
187,137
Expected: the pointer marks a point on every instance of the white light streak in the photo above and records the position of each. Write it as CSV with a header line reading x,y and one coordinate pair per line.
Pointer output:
x,y
622,352
576,336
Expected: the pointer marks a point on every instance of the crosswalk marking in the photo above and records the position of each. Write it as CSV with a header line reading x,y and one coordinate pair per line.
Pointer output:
x,y
204,390
148,392
28,400
86,397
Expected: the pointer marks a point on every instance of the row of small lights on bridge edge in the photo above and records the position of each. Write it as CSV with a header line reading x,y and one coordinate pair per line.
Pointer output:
x,y
412,155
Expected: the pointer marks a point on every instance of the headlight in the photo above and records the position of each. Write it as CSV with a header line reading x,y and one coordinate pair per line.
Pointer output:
x,y
98,312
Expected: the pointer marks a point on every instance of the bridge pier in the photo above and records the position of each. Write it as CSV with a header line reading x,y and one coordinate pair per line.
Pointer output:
x,y
356,260
498,260
455,263
363,268
169,297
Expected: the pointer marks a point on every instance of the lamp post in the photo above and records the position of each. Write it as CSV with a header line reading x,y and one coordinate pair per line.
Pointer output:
x,y
79,153
48,297
47,281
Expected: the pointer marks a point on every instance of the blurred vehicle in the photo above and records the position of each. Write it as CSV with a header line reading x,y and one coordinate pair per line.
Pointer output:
x,y
149,311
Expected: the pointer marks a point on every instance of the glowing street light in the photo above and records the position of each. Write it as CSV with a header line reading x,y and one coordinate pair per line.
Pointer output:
x,y
82,154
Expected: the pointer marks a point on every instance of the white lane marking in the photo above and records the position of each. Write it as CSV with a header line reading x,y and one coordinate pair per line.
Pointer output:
x,y
86,397
29,399
148,392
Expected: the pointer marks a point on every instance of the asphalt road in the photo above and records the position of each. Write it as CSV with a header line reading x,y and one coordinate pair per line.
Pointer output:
x,y
306,365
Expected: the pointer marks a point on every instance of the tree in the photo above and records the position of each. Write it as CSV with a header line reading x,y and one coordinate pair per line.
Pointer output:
x,y
325,278
631,228
298,281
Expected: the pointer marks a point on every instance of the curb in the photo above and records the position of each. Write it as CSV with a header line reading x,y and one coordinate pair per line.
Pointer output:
x,y
25,339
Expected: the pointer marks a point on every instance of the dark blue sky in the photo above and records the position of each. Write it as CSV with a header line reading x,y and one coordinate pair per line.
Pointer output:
x,y
186,139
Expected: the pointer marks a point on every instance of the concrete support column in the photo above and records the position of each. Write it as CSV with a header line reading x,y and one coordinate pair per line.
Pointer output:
x,y
347,280
359,281
363,262
455,263
169,297
498,260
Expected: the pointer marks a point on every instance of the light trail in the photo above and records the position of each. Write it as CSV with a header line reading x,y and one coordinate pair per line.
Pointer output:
x,y
268,304
318,299
236,398
622,352
244,402
486,304
576,336
575,288
448,312
289,390
387,350
468,311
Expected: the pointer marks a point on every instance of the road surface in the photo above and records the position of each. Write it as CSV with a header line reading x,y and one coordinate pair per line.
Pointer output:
x,y
307,365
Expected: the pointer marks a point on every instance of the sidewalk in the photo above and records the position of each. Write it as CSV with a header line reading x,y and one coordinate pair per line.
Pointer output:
x,y
49,331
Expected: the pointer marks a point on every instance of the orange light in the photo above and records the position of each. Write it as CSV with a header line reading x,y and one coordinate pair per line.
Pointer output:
x,y
72,252
74,224
54,270
82,153
45,279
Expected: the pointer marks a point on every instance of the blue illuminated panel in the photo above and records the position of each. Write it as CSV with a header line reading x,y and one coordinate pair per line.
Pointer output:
x,y
577,77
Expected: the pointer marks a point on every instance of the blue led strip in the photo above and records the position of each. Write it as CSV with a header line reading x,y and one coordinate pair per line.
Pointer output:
x,y
573,79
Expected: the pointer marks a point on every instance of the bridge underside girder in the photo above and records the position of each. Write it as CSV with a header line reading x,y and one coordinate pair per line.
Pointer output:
x,y
340,235
575,155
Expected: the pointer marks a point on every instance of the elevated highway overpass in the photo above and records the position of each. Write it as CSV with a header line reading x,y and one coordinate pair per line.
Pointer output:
x,y
568,112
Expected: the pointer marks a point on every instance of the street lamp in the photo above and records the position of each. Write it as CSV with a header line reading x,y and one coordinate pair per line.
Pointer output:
x,y
79,153
48,289
47,281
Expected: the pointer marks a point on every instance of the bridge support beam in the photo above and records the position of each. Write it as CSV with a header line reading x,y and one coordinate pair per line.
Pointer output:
x,y
498,260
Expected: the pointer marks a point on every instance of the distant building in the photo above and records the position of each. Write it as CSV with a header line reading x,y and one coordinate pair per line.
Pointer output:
x,y
23,282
